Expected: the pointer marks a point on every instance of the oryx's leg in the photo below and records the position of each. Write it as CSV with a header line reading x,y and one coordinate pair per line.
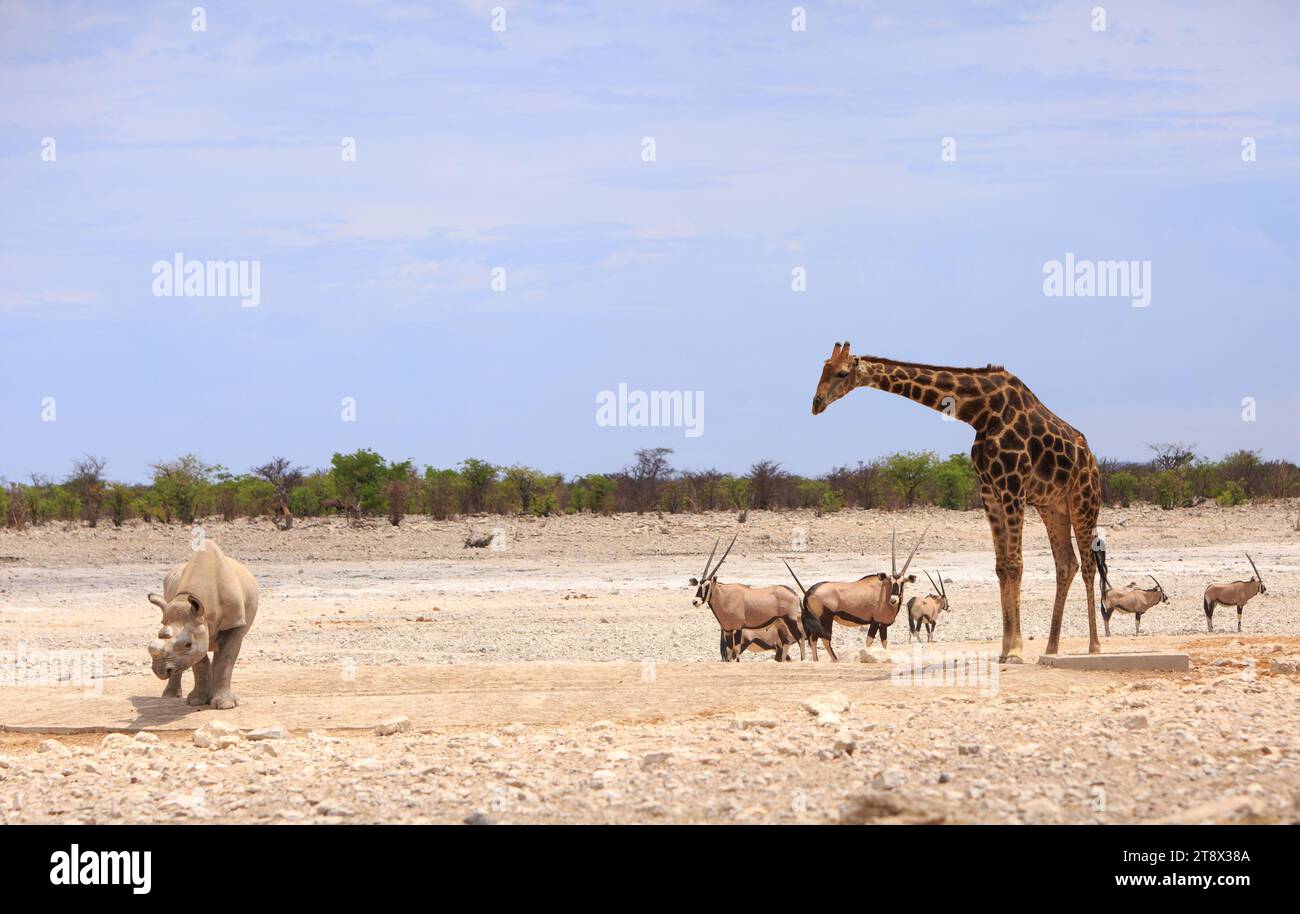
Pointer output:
x,y
722,646
871,634
201,694
1209,616
912,628
1105,619
223,665
1137,624
929,632
1239,609
884,639
173,689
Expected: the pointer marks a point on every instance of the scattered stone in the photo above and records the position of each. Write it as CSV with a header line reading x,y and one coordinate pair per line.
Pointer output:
x,y
889,779
262,733
656,759
208,735
478,818
332,808
144,736
830,703
115,741
1284,665
763,718
1136,722
392,725
968,749
54,747
1042,810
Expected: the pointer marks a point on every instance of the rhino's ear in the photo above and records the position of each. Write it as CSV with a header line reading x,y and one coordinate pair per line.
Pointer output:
x,y
157,601
196,606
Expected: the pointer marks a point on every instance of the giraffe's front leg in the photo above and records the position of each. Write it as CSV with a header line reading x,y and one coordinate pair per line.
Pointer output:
x,y
1006,520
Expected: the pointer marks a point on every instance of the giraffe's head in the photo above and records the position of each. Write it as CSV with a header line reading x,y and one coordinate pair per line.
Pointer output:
x,y
837,378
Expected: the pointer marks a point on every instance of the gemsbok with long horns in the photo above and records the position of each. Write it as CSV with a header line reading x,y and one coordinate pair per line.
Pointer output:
x,y
1132,599
925,610
739,606
873,601
1235,594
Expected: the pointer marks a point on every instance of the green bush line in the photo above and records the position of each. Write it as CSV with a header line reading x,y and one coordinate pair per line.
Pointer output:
x,y
364,484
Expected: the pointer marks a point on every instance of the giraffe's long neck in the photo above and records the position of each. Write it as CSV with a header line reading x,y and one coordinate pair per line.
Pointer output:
x,y
964,394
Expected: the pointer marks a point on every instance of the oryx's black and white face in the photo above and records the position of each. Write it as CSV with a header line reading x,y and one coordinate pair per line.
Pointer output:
x,y
896,583
897,579
702,590
704,585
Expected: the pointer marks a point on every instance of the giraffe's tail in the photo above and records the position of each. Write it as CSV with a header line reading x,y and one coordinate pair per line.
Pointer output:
x,y
1099,556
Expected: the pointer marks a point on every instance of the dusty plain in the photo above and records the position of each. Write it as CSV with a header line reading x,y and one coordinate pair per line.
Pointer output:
x,y
566,678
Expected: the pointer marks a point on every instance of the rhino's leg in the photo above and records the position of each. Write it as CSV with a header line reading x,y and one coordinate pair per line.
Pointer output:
x,y
173,689
201,694
227,653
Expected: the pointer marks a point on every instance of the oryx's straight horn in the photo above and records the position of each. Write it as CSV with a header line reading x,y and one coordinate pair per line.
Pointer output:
x,y
913,553
802,589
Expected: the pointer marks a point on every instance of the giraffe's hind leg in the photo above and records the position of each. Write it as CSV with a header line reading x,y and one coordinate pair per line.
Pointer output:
x,y
1058,534
1085,506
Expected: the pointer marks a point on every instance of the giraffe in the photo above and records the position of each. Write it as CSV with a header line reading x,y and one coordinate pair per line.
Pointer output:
x,y
1024,455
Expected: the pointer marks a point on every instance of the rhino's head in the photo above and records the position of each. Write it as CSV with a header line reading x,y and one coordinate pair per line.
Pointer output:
x,y
183,637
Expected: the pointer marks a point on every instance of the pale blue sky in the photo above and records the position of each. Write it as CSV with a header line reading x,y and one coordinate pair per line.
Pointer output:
x,y
775,149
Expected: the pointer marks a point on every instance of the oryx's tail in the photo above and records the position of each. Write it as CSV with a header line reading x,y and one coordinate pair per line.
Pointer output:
x,y
810,623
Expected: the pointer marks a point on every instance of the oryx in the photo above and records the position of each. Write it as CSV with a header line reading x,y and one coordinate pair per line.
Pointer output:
x,y
1234,594
739,606
873,600
925,610
1132,599
775,636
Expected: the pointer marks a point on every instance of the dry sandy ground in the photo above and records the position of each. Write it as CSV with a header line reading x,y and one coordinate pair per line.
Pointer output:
x,y
566,677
